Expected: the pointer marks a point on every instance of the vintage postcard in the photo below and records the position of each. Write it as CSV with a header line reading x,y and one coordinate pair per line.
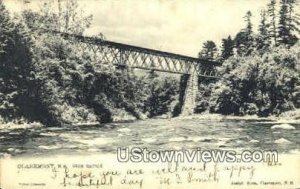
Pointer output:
x,y
152,94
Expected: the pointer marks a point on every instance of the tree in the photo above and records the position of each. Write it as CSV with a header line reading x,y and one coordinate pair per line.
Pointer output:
x,y
260,84
162,93
69,19
249,25
209,51
284,34
288,23
244,40
263,39
64,74
273,27
16,70
227,48
294,18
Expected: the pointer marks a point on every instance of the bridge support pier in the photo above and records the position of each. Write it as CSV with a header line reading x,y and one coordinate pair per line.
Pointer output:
x,y
189,94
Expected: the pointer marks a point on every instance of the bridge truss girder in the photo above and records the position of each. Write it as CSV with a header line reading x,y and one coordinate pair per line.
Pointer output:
x,y
128,56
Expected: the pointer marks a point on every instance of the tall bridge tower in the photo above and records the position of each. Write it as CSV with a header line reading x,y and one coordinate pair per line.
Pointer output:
x,y
188,103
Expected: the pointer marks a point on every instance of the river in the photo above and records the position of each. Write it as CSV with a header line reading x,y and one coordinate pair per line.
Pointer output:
x,y
154,134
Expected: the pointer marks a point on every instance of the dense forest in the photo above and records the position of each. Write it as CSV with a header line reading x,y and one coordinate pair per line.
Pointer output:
x,y
260,72
47,79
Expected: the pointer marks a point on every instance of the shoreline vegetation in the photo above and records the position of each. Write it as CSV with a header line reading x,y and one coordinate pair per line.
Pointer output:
x,y
292,117
47,81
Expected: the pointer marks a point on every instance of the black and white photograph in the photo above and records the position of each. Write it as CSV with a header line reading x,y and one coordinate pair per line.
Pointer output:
x,y
156,94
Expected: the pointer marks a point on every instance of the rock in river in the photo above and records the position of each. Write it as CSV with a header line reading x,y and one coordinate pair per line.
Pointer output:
x,y
282,141
283,126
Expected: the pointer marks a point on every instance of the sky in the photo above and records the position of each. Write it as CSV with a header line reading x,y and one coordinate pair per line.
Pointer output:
x,y
178,26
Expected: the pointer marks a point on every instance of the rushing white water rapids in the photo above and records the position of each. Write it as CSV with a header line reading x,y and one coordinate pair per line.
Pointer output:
x,y
154,134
